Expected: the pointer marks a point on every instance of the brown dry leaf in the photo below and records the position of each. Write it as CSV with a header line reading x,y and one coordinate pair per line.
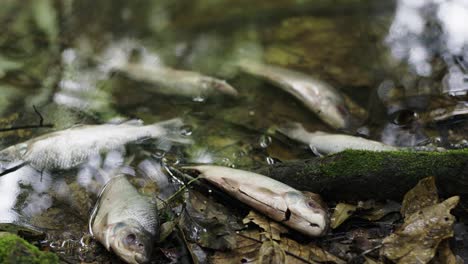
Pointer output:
x,y
417,239
307,253
249,250
272,229
208,223
371,261
342,212
422,195
246,250
446,255
380,210
271,252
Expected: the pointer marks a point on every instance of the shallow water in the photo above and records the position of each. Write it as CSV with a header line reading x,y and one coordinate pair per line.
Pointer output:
x,y
391,58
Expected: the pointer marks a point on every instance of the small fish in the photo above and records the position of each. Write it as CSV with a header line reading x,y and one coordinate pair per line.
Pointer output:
x,y
125,221
323,99
70,147
326,143
302,211
176,82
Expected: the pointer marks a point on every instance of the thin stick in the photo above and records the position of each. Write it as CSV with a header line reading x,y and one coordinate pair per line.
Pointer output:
x,y
41,124
10,170
180,190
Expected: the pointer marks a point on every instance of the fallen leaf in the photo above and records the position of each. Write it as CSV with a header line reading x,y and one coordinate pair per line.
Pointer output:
x,y
380,210
309,253
342,212
272,229
370,261
422,195
207,223
445,255
166,229
250,242
417,239
271,252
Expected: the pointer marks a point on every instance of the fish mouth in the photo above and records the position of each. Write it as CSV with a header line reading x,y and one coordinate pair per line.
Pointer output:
x,y
140,259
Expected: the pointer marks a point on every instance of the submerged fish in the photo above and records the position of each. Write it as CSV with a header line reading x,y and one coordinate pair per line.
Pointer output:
x,y
326,143
70,147
176,82
302,211
125,221
324,100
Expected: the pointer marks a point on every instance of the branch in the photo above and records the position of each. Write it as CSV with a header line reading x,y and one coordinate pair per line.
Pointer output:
x,y
41,124
361,175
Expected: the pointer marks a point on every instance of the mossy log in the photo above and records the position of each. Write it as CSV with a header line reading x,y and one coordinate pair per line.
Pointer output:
x,y
14,249
360,175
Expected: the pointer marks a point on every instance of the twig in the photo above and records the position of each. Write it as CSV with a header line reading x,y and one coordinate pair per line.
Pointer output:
x,y
172,197
41,124
12,169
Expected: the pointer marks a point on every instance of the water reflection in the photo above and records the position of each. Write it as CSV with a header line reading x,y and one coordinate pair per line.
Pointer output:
x,y
423,30
33,184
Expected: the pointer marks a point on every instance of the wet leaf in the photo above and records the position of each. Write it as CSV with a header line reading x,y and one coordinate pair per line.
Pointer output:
x,y
272,229
166,229
271,252
208,223
309,253
342,212
246,251
380,210
417,239
370,261
250,242
422,195
445,255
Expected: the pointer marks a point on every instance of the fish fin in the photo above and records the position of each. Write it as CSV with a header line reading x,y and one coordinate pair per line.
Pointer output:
x,y
133,122
265,197
172,131
234,185
294,131
315,151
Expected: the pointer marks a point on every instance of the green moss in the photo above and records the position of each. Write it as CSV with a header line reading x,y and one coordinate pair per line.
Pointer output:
x,y
14,249
413,163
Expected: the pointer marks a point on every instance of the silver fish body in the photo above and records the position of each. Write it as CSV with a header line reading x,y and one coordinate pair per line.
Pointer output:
x,y
301,211
125,221
326,143
321,98
67,148
176,82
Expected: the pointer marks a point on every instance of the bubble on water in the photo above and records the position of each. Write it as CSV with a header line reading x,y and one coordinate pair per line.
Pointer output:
x,y
199,99
159,154
186,130
265,141
270,160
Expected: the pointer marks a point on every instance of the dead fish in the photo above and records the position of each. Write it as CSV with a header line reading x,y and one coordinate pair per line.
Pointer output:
x,y
70,147
326,143
302,211
323,99
179,82
125,221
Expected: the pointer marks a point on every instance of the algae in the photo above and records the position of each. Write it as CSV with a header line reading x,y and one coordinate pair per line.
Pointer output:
x,y
14,249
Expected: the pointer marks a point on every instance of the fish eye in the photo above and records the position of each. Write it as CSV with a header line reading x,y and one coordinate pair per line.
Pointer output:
x,y
130,239
311,204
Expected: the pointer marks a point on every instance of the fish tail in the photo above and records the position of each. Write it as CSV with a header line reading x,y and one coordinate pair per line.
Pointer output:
x,y
171,130
293,130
